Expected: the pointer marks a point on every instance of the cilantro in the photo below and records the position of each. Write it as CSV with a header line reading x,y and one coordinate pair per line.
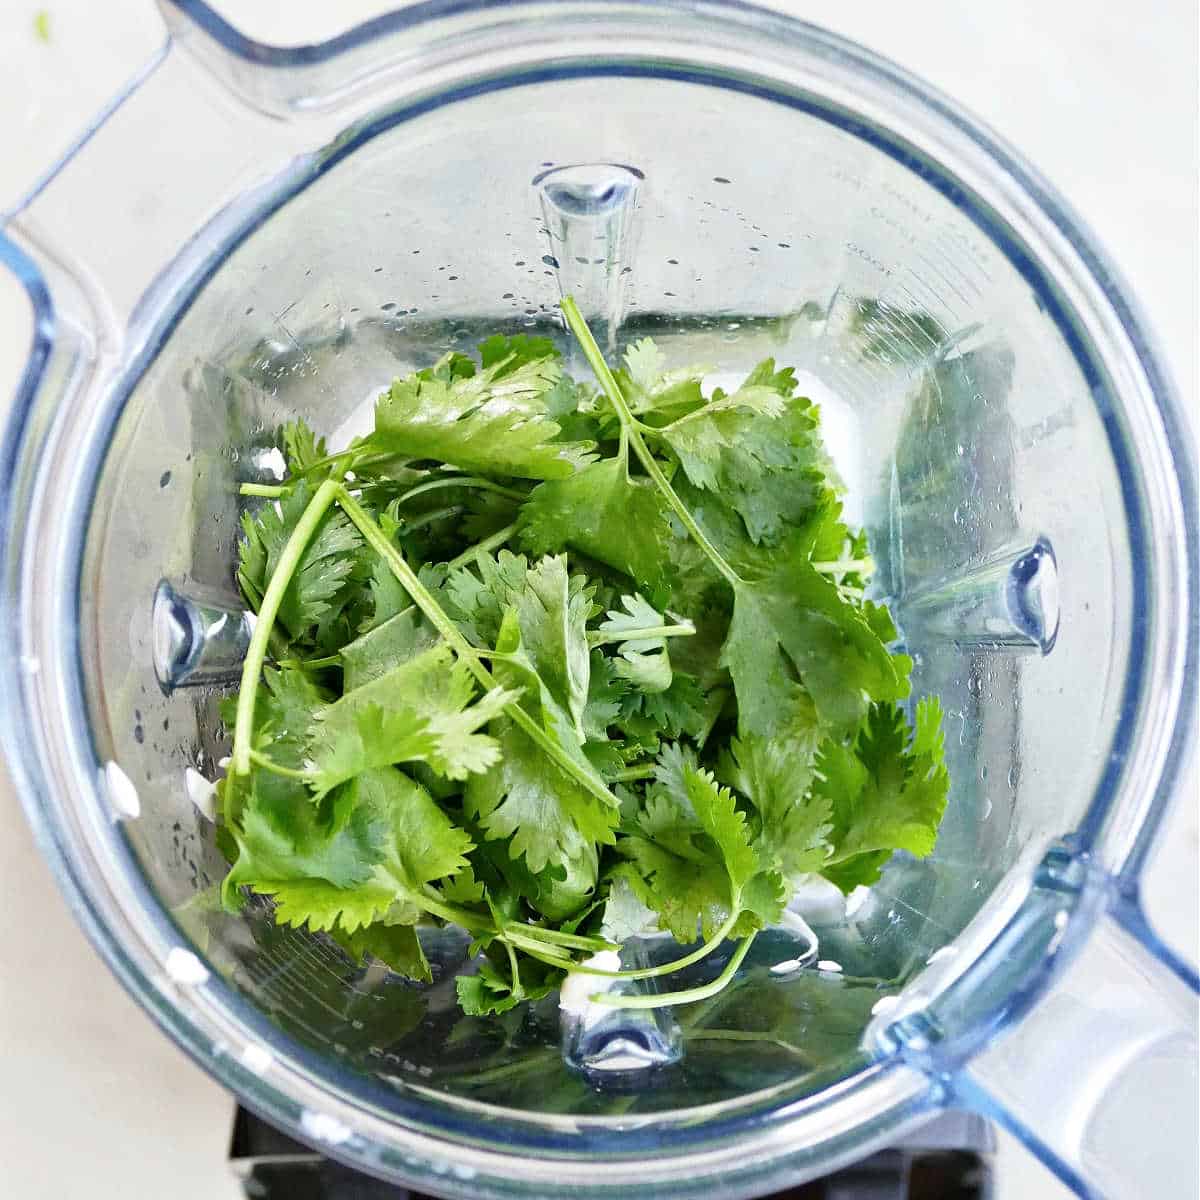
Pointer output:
x,y
494,421
793,625
319,578
885,792
672,707
603,513
548,816
642,634
395,945
419,711
305,451
691,849
552,609
776,776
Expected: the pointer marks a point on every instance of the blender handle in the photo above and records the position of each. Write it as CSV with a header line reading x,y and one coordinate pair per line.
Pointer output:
x,y
201,132
1099,1079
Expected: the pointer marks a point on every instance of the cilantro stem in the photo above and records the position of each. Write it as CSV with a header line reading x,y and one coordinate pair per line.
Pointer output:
x,y
517,991
328,660
348,459
597,637
256,653
687,995
269,764
713,708
535,949
630,431
430,518
437,617
276,643
272,491
557,937
473,481
676,964
455,914
490,543
631,774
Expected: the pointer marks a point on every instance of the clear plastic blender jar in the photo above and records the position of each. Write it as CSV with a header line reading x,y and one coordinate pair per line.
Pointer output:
x,y
302,226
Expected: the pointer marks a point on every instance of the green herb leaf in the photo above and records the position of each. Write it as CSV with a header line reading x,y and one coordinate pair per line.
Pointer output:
x,y
283,837
304,450
794,624
625,916
885,792
486,993
494,421
775,775
395,945
655,393
603,513
552,610
419,711
549,817
398,640
644,661
692,851
324,567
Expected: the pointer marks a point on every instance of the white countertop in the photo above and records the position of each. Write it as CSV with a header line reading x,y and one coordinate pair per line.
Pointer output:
x,y
94,1103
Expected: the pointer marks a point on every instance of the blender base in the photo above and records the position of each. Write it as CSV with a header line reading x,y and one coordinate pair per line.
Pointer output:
x,y
948,1159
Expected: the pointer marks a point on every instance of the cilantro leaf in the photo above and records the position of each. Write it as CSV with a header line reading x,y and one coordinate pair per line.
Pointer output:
x,y
302,446
655,392
552,610
398,640
415,844
565,889
757,449
794,625
606,691
486,993
494,420
395,945
490,992
692,851
507,354
419,711
282,836
324,567
625,916
322,907
388,597
526,797
775,775
703,438
644,661
681,709
603,513
423,844
887,791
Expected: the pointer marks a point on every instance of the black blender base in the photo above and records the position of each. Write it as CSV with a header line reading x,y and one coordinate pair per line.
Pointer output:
x,y
948,1159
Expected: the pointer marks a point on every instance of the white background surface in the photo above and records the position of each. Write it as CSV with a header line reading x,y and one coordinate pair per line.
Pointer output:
x,y
94,1103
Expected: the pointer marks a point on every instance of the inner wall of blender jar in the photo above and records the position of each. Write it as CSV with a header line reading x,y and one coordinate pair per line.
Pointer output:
x,y
729,227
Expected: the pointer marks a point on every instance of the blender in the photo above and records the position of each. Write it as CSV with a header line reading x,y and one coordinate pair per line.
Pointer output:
x,y
306,224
